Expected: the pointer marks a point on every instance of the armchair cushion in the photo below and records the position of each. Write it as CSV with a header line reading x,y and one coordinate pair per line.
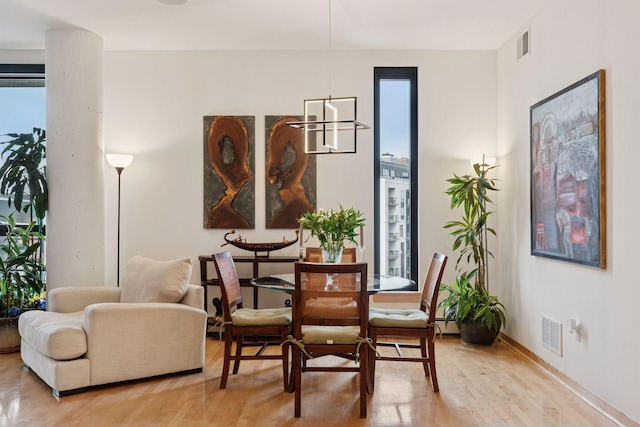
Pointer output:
x,y
57,335
148,280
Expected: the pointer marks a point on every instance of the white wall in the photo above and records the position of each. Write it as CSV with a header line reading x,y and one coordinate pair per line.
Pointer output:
x,y
154,108
571,39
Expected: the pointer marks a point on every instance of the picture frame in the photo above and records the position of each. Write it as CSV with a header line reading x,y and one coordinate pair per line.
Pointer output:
x,y
567,135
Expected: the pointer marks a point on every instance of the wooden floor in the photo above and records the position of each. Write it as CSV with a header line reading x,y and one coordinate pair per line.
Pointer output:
x,y
478,387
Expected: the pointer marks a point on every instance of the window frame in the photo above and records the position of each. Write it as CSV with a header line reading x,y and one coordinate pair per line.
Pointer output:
x,y
410,74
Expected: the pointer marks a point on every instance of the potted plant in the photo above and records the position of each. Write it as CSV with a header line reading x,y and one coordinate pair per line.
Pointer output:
x,y
23,181
21,281
478,315
332,228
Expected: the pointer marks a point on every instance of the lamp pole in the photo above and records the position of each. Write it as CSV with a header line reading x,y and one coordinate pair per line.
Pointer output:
x,y
119,163
119,170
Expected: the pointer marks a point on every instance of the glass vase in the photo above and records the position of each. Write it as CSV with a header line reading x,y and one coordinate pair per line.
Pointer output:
x,y
332,253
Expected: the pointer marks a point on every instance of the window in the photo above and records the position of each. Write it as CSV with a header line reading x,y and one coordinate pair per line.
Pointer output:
x,y
22,107
396,169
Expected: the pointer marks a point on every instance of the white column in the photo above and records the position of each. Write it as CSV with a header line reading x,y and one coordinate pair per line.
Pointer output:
x,y
75,221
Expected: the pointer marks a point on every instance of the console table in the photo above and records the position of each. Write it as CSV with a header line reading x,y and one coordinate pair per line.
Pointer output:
x,y
256,260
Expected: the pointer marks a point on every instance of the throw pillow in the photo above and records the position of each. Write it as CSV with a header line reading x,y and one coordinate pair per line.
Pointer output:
x,y
148,280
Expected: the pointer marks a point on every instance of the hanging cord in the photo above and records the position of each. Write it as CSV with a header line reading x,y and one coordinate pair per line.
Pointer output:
x,y
369,342
435,327
330,50
291,340
221,324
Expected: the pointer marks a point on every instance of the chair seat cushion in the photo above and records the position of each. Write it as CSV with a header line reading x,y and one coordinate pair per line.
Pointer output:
x,y
262,317
396,318
330,334
57,335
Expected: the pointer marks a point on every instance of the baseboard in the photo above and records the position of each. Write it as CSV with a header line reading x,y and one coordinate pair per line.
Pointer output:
x,y
603,407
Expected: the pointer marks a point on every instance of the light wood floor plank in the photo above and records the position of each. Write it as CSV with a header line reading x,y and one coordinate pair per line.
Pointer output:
x,y
478,387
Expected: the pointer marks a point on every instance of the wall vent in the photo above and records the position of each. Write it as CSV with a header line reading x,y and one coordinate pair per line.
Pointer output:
x,y
523,44
552,335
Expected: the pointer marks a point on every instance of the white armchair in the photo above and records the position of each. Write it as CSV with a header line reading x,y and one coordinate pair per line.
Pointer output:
x,y
97,335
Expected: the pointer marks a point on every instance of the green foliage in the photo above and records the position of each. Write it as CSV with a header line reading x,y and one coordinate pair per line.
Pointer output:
x,y
471,192
20,266
333,227
468,302
467,299
22,176
23,181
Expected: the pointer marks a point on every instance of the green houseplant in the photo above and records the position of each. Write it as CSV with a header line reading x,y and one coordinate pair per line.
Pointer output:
x,y
20,267
478,315
23,182
333,228
22,174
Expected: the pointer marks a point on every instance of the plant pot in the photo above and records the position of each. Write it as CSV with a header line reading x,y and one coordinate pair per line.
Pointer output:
x,y
9,336
475,332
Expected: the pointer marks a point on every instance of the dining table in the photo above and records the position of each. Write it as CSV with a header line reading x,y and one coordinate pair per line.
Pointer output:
x,y
375,283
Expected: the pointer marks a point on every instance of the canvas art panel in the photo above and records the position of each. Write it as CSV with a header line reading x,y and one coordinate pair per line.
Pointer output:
x,y
567,174
229,172
291,174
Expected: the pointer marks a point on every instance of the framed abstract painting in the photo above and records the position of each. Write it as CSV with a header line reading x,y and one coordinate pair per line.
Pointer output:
x,y
567,174
290,174
229,172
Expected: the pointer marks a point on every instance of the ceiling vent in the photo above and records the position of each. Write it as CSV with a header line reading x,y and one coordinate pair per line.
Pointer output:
x,y
523,44
552,335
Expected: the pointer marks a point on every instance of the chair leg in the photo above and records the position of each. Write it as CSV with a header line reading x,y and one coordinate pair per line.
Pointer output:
x,y
285,361
432,364
371,375
425,355
236,361
297,378
228,341
364,375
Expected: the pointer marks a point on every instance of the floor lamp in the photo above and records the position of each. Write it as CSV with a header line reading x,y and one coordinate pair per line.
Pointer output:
x,y
119,162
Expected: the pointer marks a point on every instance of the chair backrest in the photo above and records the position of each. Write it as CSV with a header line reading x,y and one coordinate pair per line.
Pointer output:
x,y
315,254
330,295
229,283
429,300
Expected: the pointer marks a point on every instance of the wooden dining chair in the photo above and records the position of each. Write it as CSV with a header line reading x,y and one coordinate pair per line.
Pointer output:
x,y
330,309
315,254
411,323
239,322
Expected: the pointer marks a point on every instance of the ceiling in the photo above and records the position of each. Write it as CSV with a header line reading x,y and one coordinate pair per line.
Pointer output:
x,y
271,25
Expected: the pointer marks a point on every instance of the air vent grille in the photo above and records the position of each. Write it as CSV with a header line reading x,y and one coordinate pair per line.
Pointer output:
x,y
523,45
552,335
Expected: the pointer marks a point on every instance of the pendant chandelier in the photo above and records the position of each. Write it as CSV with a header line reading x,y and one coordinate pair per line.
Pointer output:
x,y
330,125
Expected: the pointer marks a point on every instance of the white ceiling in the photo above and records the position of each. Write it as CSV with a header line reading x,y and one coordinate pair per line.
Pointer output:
x,y
271,24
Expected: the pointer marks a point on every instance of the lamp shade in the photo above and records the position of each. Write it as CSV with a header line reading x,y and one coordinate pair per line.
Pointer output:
x,y
119,160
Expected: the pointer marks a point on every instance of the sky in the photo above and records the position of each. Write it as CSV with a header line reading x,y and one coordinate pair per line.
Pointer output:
x,y
21,109
394,117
